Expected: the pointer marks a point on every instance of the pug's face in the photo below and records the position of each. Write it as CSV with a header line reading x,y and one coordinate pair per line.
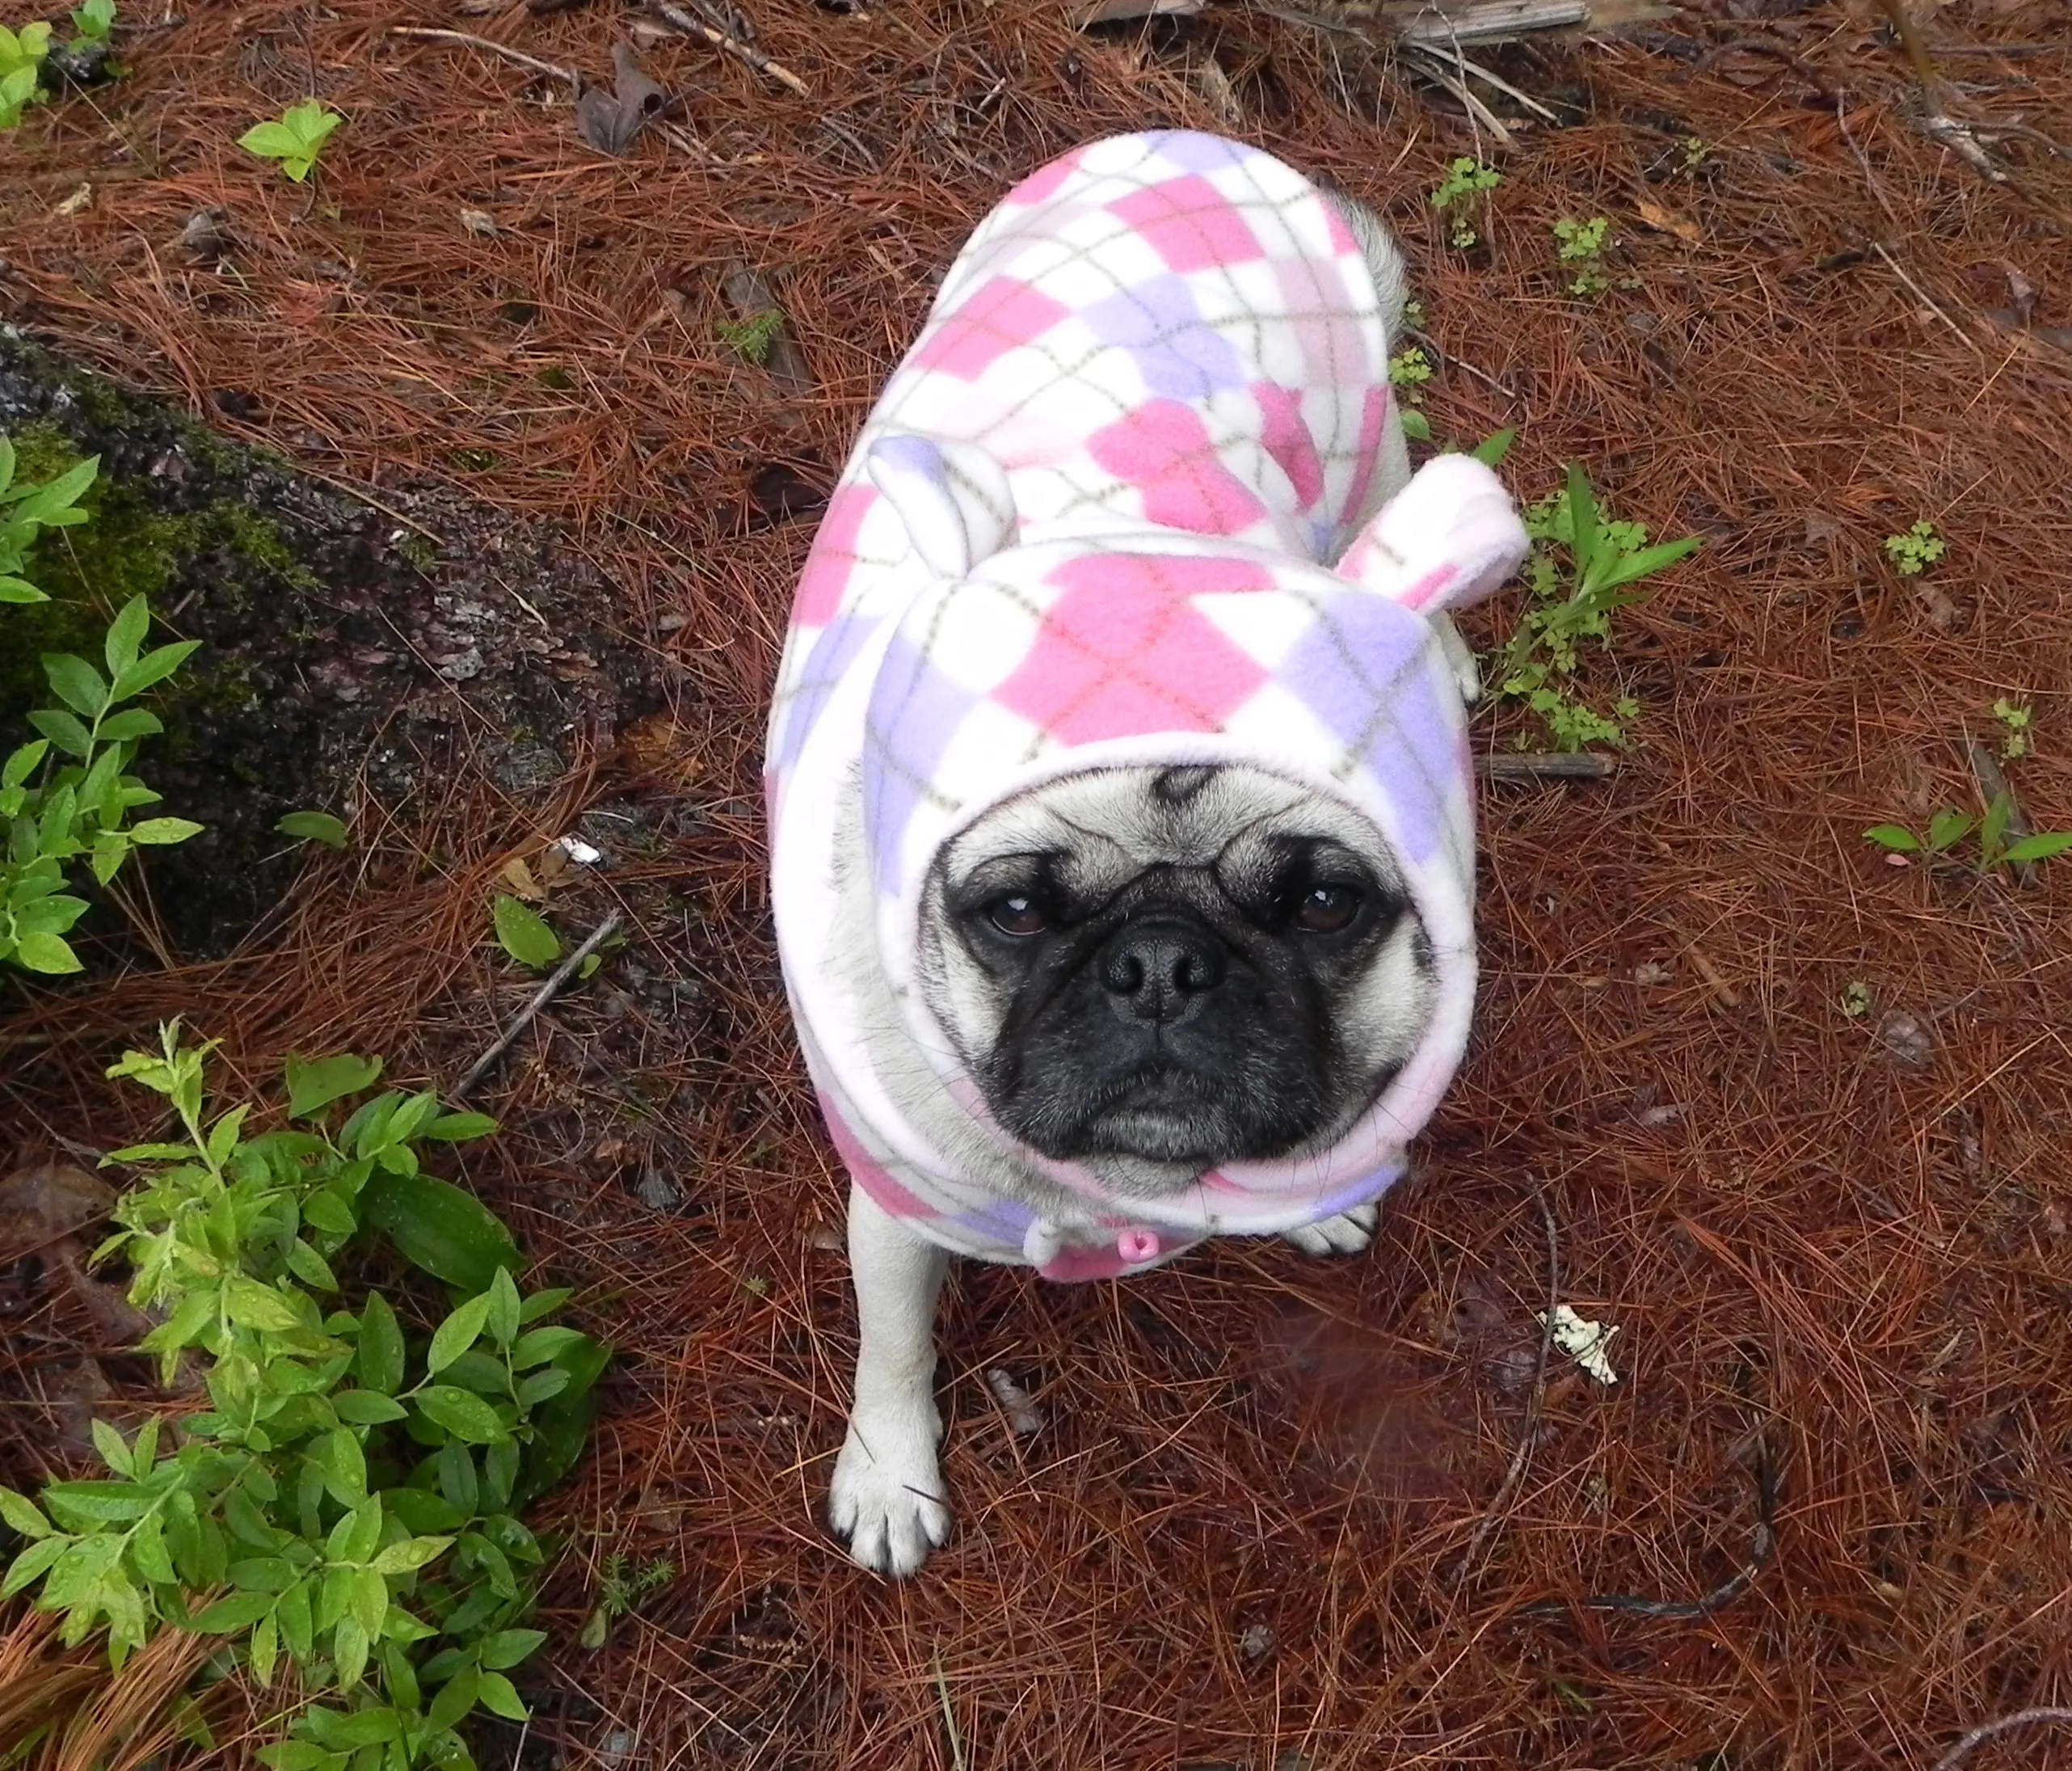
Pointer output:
x,y
1153,970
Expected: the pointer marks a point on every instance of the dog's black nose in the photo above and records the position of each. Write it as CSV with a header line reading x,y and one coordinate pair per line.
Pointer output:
x,y
1157,970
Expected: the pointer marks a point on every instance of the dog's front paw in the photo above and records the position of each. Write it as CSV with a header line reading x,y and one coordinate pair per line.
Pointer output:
x,y
886,1498
1347,1234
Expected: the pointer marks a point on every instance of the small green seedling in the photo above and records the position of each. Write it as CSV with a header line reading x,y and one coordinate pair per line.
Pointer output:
x,y
1457,197
93,21
1695,152
620,1587
295,139
1856,999
1408,370
1582,245
752,339
1606,559
1949,826
1915,551
2014,720
1413,313
21,65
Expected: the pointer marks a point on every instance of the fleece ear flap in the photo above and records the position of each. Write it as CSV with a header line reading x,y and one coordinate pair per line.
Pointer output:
x,y
953,498
1446,540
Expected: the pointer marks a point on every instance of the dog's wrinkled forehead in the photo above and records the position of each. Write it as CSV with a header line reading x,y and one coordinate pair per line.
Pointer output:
x,y
1103,826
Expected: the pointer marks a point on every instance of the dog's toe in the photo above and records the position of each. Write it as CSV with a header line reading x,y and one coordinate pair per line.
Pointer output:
x,y
1347,1234
886,1499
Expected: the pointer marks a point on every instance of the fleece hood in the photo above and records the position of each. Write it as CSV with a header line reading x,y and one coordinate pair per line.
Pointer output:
x,y
1108,513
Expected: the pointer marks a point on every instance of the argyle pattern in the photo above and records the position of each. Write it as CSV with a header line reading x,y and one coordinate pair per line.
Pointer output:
x,y
1171,347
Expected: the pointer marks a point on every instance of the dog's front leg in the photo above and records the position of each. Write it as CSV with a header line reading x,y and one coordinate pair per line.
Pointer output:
x,y
887,1498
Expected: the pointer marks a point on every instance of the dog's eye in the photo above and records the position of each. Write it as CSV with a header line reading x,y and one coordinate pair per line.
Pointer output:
x,y
1327,909
1016,914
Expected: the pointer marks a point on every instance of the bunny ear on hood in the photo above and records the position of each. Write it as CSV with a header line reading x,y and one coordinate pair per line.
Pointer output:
x,y
1446,540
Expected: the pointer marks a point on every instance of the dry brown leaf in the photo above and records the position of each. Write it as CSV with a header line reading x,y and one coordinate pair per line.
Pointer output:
x,y
516,875
610,121
42,1206
1665,220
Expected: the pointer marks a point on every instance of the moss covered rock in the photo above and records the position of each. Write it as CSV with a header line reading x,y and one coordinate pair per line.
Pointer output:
x,y
346,655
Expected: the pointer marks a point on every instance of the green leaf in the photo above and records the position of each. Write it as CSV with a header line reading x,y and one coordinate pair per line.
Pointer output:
x,y
523,934
109,1443
541,1344
48,954
262,1573
1947,828
459,1128
1493,449
2042,846
370,1601
1416,426
1582,519
131,723
64,730
349,1645
1992,828
380,1357
497,1694
508,1647
458,1485
461,1413
1648,562
538,1304
227,1615
19,590
314,1083
164,830
1895,836
126,634
22,762
153,667
315,827
300,1755
252,1305
411,1554
32,1564
75,682
271,141
309,1266
337,1454
455,1698
22,1513
502,1317
460,1330
366,1407
442,1228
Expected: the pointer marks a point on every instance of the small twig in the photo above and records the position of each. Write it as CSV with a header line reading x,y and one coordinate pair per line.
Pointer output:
x,y
540,999
1762,1545
1529,1428
1486,76
747,53
1987,1730
1446,357
472,42
1723,992
1552,765
1922,296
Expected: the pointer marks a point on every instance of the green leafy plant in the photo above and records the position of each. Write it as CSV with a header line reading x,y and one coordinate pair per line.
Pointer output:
x,y
1915,550
1695,151
1949,826
68,793
1856,999
620,1587
1605,559
1582,246
1408,370
1458,197
93,21
752,339
315,827
344,1514
21,68
295,139
2015,722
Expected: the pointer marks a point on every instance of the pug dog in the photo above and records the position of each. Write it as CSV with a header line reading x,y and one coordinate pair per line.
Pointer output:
x,y
1122,836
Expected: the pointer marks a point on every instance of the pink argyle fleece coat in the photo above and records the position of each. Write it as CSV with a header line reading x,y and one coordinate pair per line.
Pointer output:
x,y
1109,511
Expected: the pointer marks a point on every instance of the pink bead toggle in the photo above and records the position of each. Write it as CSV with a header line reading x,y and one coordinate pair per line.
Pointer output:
x,y
1137,1246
